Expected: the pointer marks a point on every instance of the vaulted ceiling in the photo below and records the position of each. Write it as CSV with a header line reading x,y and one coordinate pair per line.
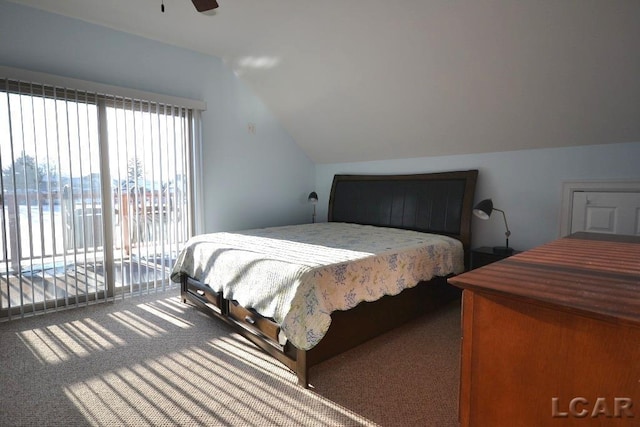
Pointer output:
x,y
355,80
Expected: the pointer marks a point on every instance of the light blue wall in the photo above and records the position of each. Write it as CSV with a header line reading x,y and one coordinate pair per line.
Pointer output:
x,y
250,180
526,184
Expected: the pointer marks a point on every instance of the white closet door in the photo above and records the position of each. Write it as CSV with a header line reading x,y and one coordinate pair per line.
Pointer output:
x,y
606,212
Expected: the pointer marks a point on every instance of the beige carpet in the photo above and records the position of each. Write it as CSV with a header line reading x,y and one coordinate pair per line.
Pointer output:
x,y
155,361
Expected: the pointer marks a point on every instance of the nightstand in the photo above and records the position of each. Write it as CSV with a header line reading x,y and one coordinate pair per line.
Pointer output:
x,y
485,255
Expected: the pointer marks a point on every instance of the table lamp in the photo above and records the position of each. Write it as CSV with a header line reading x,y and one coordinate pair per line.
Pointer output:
x,y
483,210
313,199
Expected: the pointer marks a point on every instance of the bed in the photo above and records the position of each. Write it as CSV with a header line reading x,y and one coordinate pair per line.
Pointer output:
x,y
305,293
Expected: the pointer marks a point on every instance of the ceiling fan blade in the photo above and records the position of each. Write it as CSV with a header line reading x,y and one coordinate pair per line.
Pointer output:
x,y
204,5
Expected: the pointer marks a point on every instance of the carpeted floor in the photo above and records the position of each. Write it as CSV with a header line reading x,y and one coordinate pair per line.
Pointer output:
x,y
155,361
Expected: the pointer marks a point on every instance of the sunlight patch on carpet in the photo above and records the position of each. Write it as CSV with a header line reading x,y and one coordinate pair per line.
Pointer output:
x,y
66,341
194,386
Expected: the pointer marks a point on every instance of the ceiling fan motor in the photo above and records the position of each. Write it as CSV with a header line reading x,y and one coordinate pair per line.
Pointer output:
x,y
205,5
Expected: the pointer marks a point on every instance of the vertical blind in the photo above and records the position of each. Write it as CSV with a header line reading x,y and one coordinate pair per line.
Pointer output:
x,y
96,192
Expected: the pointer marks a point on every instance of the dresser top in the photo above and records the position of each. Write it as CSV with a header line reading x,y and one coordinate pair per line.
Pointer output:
x,y
593,273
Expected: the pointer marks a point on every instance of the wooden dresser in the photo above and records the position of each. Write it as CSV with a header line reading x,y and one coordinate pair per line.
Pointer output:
x,y
551,336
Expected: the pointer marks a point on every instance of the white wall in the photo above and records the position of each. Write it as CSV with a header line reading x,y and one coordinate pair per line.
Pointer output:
x,y
526,184
250,180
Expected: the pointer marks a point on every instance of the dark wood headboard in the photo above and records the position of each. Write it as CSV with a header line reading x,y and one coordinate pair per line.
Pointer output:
x,y
439,203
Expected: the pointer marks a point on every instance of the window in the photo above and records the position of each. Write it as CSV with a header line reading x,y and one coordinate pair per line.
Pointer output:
x,y
96,193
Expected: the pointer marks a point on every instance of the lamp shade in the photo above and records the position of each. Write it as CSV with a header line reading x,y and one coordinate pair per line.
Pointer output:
x,y
313,197
483,209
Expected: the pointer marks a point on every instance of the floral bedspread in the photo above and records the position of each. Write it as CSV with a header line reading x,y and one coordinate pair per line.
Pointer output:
x,y
299,274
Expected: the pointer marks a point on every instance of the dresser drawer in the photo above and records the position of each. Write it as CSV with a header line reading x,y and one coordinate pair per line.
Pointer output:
x,y
253,321
204,293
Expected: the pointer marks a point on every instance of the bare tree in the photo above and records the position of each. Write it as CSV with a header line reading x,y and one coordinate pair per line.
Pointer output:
x,y
134,171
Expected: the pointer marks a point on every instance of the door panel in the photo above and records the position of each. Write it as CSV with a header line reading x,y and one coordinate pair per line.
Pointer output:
x,y
606,212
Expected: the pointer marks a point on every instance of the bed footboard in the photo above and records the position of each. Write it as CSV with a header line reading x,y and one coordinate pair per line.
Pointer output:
x,y
259,330
348,328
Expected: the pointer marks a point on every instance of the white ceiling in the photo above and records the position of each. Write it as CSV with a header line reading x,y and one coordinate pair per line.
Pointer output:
x,y
355,80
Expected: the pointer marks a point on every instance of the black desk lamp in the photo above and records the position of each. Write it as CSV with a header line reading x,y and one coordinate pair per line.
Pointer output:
x,y
483,211
313,199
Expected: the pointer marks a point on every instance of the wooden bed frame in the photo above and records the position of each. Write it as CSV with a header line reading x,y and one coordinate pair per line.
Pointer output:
x,y
435,203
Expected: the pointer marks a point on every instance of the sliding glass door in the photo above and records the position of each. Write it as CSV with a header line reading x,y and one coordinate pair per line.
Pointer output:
x,y
95,193
148,168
